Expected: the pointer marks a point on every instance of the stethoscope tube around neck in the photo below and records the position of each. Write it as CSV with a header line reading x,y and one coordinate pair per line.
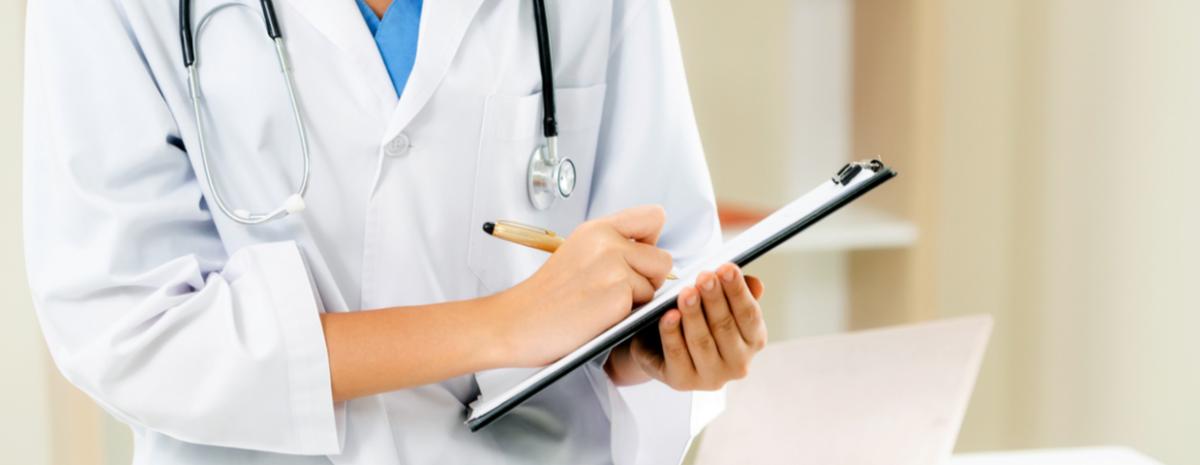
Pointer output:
x,y
547,170
294,202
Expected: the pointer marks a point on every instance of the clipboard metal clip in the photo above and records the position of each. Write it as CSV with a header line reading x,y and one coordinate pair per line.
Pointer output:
x,y
848,172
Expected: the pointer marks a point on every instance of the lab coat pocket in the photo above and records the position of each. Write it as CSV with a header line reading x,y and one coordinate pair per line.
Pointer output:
x,y
511,131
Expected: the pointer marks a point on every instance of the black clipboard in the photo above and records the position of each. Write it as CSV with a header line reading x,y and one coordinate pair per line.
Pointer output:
x,y
848,184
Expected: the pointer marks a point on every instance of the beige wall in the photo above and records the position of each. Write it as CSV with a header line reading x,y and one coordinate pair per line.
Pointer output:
x,y
977,215
24,404
722,61
1105,283
1081,238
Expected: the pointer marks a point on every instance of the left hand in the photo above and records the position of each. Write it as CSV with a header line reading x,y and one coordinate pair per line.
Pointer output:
x,y
708,341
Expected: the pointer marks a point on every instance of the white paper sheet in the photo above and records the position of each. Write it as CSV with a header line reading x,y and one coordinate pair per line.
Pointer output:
x,y
884,397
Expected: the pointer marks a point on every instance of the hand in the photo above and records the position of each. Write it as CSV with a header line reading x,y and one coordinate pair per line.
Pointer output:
x,y
706,342
593,281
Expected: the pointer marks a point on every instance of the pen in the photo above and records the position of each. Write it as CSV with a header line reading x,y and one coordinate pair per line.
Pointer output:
x,y
529,236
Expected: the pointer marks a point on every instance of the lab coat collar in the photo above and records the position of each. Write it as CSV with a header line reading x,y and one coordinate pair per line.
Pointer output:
x,y
342,23
443,25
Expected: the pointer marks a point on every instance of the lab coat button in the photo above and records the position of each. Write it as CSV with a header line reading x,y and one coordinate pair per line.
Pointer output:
x,y
397,146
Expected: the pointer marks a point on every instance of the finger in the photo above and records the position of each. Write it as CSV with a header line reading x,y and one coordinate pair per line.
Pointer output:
x,y
642,224
756,287
699,340
649,261
721,323
641,287
743,305
677,360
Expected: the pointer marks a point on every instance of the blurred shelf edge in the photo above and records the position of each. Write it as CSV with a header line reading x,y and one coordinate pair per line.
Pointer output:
x,y
852,228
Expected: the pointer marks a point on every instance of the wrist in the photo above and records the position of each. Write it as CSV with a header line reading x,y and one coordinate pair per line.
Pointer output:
x,y
502,340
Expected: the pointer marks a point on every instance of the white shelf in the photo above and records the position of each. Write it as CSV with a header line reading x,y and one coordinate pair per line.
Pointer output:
x,y
850,229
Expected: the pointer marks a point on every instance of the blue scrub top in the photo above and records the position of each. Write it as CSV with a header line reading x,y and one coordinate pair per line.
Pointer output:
x,y
396,36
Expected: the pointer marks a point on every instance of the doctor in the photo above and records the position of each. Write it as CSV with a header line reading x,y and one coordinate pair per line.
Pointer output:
x,y
355,325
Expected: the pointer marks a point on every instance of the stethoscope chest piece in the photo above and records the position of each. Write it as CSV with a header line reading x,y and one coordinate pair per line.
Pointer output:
x,y
550,177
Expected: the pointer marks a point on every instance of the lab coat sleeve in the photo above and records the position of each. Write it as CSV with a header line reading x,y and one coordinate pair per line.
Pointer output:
x,y
649,152
141,305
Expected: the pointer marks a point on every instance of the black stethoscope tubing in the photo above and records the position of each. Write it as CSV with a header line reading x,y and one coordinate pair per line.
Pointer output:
x,y
187,39
549,123
271,20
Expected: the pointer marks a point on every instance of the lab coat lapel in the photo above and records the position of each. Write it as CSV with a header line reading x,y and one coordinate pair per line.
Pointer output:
x,y
443,25
342,23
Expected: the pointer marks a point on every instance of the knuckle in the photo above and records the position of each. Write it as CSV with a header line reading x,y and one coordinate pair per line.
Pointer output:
x,y
682,383
664,258
588,228
650,211
760,342
724,323
643,294
676,350
711,384
704,341
614,276
748,314
606,246
658,214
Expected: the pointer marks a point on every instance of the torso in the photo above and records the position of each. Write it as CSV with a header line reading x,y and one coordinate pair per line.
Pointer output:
x,y
401,227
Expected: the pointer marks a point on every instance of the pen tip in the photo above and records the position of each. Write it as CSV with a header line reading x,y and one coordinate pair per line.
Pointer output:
x,y
489,227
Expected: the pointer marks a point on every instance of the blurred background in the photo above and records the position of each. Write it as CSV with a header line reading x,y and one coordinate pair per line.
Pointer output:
x,y
1048,151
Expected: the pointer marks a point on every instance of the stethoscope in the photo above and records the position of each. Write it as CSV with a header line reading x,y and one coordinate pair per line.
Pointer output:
x,y
549,177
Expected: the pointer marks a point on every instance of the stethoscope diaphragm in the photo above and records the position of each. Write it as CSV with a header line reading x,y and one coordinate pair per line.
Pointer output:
x,y
550,177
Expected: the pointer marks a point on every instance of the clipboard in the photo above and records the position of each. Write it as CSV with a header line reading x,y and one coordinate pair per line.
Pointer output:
x,y
848,184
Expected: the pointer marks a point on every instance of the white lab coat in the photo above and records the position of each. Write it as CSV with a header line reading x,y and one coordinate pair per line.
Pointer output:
x,y
204,335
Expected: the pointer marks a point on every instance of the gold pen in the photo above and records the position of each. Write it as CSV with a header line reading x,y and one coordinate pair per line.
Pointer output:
x,y
529,236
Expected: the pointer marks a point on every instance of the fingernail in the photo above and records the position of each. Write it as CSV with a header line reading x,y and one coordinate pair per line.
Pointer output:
x,y
709,283
690,299
727,274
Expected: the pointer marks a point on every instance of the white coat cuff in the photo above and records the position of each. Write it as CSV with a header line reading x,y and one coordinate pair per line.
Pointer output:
x,y
292,295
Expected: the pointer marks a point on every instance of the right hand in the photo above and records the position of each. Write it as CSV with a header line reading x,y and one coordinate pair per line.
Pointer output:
x,y
604,268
